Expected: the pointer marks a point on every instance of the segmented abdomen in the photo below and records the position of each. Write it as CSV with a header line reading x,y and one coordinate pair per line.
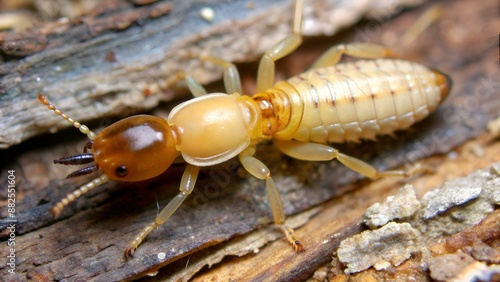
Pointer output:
x,y
359,100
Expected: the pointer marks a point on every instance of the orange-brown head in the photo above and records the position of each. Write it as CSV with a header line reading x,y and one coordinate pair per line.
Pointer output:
x,y
134,149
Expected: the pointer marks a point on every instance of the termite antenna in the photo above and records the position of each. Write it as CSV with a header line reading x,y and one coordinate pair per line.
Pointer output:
x,y
82,127
76,160
57,209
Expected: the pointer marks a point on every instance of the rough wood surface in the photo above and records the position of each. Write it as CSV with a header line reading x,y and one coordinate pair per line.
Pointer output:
x,y
121,58
340,218
87,242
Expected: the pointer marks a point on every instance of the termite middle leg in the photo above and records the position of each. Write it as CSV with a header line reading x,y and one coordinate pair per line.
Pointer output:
x,y
359,50
186,187
320,152
261,171
265,74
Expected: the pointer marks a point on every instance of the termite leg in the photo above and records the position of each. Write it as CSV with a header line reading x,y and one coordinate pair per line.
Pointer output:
x,y
261,171
431,15
194,87
320,152
232,81
186,187
359,50
265,74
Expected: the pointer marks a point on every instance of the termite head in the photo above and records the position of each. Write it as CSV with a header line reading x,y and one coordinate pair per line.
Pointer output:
x,y
132,149
136,148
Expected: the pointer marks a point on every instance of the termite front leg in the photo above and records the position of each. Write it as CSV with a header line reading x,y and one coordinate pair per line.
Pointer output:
x,y
265,74
194,86
232,81
358,50
261,171
186,187
320,152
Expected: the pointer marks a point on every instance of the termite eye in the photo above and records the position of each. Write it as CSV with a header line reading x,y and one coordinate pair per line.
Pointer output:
x,y
121,171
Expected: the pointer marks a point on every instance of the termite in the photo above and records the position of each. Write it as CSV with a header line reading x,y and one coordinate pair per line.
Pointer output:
x,y
330,103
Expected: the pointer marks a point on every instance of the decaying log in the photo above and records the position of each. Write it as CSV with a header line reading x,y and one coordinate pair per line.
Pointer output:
x,y
228,214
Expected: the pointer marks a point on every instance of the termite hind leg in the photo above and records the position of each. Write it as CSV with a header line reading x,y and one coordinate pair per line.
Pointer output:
x,y
358,50
261,171
232,81
265,74
320,152
186,187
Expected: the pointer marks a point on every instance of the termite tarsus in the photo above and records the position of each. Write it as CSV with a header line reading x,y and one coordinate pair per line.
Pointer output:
x,y
329,103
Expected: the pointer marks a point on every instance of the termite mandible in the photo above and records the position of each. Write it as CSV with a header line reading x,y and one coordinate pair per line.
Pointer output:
x,y
330,103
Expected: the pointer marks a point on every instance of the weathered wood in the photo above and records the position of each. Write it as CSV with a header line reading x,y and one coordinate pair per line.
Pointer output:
x,y
121,58
336,220
88,240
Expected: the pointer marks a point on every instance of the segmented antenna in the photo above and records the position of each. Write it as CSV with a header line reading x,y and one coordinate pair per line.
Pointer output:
x,y
82,127
57,209
75,160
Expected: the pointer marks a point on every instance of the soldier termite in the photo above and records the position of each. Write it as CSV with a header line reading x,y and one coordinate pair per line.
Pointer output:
x,y
329,103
